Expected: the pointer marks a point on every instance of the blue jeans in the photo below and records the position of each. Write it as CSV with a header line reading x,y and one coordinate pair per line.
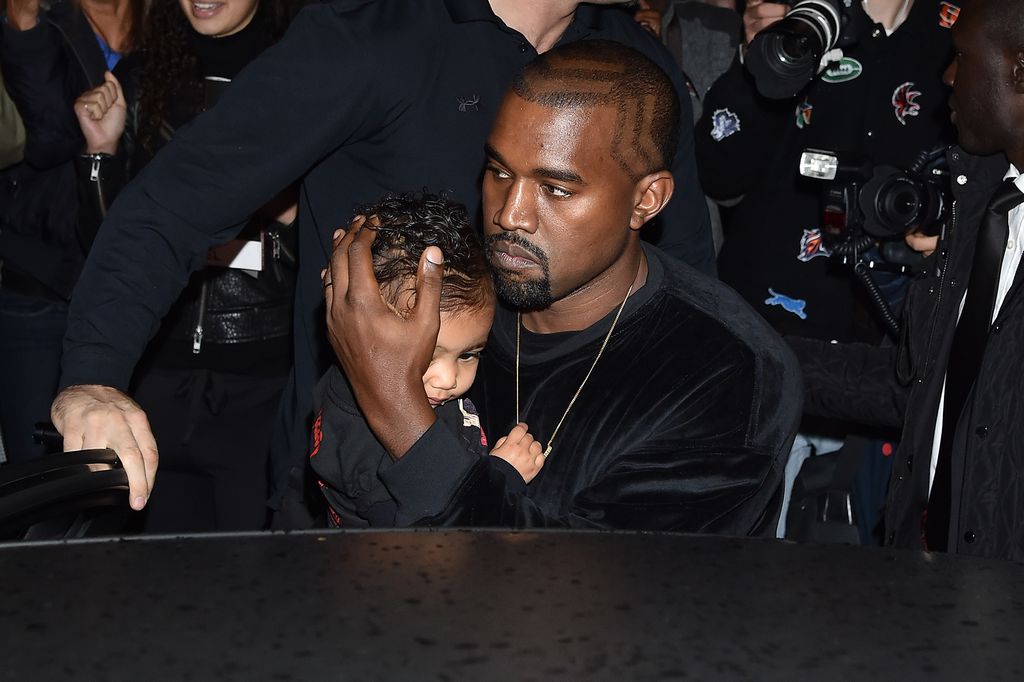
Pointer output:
x,y
31,334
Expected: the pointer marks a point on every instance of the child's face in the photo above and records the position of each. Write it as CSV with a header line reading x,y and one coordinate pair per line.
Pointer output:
x,y
462,337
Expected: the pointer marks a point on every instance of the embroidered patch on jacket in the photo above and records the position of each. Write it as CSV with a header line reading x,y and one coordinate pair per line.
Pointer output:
x,y
812,246
846,69
903,102
948,14
790,305
318,434
471,103
723,124
803,114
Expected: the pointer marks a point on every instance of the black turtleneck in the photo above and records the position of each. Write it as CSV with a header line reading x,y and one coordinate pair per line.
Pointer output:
x,y
225,57
220,59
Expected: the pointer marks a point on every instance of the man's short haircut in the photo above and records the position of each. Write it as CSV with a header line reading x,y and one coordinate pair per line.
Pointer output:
x,y
409,223
590,73
1004,20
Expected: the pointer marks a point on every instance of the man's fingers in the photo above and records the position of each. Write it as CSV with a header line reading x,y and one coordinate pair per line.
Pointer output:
x,y
536,448
339,258
760,15
143,434
362,283
922,243
328,285
94,416
428,287
119,438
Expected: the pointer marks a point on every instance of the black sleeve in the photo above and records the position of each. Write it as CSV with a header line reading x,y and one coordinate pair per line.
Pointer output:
x,y
855,382
43,85
738,133
707,469
100,179
206,182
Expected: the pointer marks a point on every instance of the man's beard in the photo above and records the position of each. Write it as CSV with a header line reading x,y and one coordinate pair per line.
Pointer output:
x,y
525,295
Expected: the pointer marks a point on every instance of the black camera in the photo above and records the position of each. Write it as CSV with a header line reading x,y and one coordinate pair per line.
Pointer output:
x,y
867,210
884,201
785,56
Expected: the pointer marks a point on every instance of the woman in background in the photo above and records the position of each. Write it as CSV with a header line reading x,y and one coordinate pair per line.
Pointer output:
x,y
211,378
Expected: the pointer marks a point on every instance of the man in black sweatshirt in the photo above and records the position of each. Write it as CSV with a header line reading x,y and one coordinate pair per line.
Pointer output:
x,y
656,392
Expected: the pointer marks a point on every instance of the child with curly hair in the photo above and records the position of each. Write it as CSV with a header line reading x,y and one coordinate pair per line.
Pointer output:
x,y
345,455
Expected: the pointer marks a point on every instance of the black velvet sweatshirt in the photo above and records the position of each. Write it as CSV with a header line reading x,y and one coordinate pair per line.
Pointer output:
x,y
685,424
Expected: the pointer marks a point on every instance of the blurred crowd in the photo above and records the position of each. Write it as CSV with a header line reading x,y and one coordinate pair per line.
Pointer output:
x,y
172,173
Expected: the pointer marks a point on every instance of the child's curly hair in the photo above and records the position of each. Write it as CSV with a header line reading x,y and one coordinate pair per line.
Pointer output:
x,y
409,223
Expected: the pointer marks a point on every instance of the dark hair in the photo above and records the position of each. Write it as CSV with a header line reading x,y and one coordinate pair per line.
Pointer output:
x,y
408,224
589,73
172,67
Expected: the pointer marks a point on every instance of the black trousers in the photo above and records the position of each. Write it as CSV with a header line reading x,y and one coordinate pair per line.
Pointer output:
x,y
213,432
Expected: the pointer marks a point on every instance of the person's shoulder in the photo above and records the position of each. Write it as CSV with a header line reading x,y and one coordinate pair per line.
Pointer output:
x,y
717,313
375,27
394,15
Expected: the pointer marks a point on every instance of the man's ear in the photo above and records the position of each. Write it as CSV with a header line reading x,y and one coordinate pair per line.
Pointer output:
x,y
652,193
1018,72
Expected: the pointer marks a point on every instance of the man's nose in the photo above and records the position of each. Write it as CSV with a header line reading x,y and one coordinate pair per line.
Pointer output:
x,y
517,210
949,75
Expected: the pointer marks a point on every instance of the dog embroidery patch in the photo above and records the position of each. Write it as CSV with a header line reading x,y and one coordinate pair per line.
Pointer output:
x,y
790,305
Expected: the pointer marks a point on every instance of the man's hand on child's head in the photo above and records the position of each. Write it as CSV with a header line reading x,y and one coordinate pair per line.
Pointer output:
x,y
522,451
382,353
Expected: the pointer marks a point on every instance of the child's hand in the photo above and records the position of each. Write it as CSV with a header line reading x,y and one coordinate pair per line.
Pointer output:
x,y
520,450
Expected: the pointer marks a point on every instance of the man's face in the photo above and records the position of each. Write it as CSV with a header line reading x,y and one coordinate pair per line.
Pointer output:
x,y
556,205
980,75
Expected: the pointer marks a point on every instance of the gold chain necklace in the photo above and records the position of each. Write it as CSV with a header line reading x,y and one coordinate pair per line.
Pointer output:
x,y
604,344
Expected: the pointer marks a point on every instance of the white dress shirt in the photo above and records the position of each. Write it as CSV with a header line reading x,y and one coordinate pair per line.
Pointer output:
x,y
1007,272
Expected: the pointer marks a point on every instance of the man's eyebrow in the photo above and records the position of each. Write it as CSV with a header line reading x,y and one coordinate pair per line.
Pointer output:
x,y
493,153
561,175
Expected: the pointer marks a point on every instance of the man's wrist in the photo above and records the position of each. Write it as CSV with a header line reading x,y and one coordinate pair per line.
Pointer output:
x,y
398,419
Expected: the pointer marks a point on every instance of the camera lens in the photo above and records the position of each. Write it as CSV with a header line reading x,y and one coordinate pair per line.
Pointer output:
x,y
785,56
894,202
899,203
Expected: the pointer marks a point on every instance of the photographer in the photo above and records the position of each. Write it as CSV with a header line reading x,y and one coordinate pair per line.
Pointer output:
x,y
883,101
954,380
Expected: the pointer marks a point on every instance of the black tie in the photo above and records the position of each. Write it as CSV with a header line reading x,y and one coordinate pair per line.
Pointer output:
x,y
967,351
